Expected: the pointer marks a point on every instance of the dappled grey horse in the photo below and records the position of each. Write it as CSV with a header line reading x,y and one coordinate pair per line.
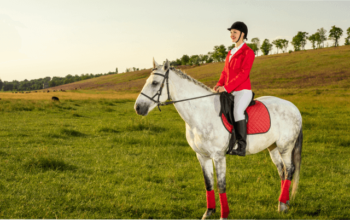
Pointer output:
x,y
209,139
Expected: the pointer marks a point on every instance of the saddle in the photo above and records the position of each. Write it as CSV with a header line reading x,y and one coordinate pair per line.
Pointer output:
x,y
257,116
227,104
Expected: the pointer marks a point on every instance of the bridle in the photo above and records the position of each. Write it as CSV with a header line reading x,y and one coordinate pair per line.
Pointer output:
x,y
159,92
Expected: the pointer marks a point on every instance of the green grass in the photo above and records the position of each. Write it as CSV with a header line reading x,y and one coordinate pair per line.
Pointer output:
x,y
98,159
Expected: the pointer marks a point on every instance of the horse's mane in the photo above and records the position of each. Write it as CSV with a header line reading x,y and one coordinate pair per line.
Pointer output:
x,y
189,78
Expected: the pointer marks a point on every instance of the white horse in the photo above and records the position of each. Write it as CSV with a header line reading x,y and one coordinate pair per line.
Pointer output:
x,y
208,137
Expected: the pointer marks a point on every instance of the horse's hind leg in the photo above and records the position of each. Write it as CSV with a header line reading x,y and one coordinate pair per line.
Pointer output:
x,y
208,173
285,170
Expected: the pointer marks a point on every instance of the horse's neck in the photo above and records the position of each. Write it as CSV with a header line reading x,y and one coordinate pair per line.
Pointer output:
x,y
193,112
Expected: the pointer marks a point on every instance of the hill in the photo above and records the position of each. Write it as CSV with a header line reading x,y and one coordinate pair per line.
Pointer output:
x,y
321,68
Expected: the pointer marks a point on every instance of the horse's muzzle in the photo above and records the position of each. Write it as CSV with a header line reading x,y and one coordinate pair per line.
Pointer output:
x,y
141,109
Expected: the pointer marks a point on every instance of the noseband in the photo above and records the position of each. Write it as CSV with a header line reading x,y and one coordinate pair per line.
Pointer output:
x,y
159,92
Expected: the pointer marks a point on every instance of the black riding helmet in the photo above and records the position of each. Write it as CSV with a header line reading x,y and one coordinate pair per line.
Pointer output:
x,y
238,25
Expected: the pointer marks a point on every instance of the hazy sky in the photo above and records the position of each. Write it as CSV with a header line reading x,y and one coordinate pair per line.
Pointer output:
x,y
40,38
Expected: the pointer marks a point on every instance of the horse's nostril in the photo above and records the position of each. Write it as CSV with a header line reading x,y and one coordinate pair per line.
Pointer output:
x,y
137,108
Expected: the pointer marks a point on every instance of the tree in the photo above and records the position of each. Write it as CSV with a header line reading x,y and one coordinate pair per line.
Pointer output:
x,y
313,40
256,41
7,86
210,59
1,84
116,70
194,60
185,59
52,83
219,53
296,42
278,44
176,62
203,58
284,43
200,56
266,47
299,41
323,37
347,39
318,39
303,39
252,46
334,34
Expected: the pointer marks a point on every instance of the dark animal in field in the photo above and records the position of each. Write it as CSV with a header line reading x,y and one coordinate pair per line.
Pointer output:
x,y
75,88
48,90
63,90
36,91
54,98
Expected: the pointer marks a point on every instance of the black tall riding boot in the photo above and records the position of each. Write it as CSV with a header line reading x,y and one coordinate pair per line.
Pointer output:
x,y
241,134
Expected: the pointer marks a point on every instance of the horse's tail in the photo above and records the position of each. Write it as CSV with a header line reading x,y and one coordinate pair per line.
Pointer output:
x,y
296,158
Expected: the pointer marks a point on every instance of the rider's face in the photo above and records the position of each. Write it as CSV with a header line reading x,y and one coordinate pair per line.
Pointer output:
x,y
235,35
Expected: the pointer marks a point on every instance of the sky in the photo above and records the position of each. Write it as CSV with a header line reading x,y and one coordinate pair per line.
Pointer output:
x,y
40,38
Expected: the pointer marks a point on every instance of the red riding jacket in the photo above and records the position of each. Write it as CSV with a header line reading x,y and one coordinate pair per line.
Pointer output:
x,y
235,76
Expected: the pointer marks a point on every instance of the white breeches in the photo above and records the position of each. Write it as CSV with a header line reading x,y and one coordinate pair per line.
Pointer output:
x,y
242,100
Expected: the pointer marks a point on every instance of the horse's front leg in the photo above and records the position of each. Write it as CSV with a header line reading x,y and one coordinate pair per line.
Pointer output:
x,y
208,173
220,166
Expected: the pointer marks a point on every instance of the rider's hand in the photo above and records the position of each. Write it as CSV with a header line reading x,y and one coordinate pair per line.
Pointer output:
x,y
220,89
215,87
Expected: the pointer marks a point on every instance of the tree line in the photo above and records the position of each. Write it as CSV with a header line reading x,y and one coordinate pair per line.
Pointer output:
x,y
36,84
299,41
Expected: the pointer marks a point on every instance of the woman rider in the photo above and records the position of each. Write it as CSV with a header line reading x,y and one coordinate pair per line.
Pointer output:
x,y
234,79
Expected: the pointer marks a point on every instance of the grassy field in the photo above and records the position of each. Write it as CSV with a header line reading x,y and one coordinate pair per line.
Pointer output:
x,y
95,158
71,95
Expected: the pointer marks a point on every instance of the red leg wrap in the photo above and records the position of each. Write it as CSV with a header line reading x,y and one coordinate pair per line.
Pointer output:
x,y
211,199
224,205
284,197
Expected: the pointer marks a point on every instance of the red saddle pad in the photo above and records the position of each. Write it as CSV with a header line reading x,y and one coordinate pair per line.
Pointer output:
x,y
258,119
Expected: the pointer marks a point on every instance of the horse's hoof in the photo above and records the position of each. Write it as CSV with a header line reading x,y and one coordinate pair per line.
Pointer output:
x,y
208,213
283,207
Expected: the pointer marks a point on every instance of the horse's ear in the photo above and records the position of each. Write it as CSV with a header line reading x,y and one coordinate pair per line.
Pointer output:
x,y
166,65
155,64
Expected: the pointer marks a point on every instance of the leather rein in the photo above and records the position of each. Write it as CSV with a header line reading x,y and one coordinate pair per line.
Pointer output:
x,y
159,92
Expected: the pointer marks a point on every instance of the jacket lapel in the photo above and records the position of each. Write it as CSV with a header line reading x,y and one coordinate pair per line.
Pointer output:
x,y
238,52
228,57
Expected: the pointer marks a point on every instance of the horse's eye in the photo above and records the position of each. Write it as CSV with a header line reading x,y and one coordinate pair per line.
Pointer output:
x,y
154,83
